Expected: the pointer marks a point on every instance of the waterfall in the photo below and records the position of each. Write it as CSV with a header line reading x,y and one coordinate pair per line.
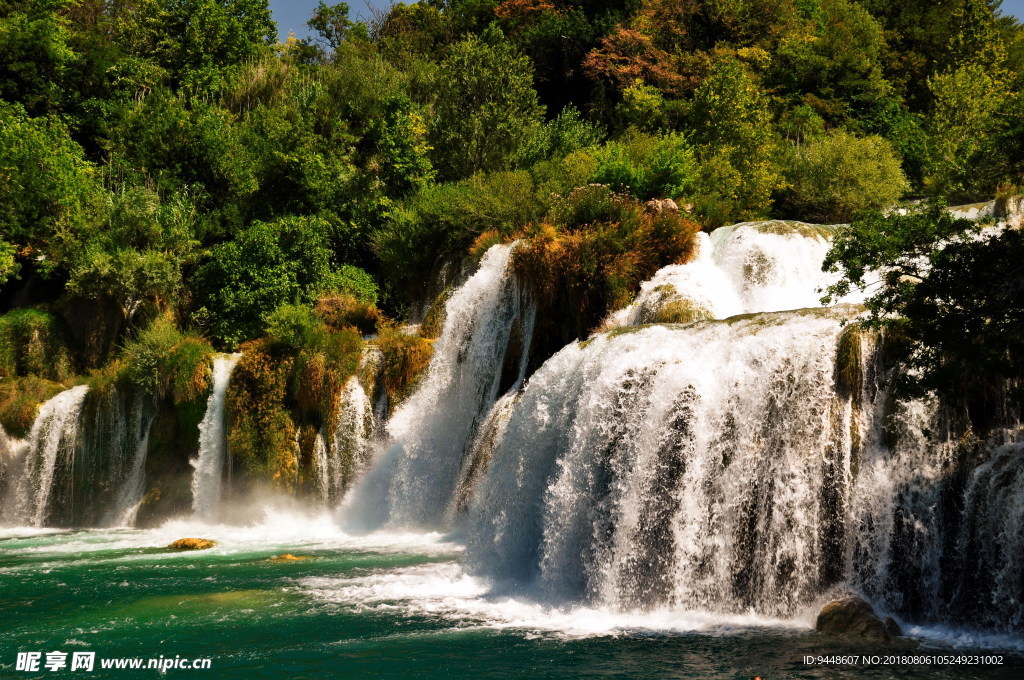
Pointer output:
x,y
752,463
351,442
415,476
209,463
130,494
743,269
30,475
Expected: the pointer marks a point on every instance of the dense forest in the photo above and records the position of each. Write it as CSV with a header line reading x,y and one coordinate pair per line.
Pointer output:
x,y
173,181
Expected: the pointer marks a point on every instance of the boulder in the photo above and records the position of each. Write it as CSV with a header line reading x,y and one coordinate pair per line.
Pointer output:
x,y
192,544
656,206
852,617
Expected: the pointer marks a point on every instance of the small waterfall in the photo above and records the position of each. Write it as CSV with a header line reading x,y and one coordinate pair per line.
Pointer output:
x,y
743,269
209,463
414,478
129,496
30,475
351,440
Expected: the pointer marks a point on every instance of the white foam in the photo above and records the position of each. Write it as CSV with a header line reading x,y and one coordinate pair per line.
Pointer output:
x,y
447,592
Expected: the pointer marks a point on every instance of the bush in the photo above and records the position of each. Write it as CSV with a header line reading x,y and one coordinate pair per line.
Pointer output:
x,y
591,253
346,311
294,326
837,176
268,265
647,166
442,221
20,399
34,342
164,362
405,358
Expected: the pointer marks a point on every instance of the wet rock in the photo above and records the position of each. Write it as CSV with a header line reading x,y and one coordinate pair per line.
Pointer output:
x,y
852,617
192,544
288,557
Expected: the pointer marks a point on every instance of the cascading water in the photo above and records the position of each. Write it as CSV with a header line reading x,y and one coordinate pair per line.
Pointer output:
x,y
350,449
414,478
30,475
748,464
209,463
743,269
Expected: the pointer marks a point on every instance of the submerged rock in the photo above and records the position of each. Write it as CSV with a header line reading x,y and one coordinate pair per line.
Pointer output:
x,y
853,617
192,544
288,557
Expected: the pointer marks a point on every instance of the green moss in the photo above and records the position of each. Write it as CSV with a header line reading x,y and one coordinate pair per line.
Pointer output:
x,y
34,342
680,312
786,227
433,320
849,363
261,436
20,399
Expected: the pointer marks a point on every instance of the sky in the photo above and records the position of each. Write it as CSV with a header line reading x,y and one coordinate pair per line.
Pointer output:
x,y
292,15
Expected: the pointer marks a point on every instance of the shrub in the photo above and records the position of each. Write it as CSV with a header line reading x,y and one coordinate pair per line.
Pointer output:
x,y
836,176
441,222
590,255
340,311
34,342
647,166
268,265
20,399
164,362
405,358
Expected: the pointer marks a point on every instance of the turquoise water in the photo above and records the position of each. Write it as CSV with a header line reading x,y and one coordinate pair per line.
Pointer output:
x,y
381,606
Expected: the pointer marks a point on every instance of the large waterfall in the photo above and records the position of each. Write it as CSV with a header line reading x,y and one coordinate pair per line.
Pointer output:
x,y
209,463
752,463
414,479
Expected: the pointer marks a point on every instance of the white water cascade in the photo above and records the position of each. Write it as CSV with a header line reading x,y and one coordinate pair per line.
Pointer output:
x,y
31,469
746,268
351,443
414,477
135,437
752,464
209,462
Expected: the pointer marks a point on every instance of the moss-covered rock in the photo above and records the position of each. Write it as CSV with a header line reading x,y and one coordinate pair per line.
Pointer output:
x,y
853,618
404,358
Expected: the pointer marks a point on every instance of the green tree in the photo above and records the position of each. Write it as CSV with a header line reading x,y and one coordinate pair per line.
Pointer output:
x,y
331,23
198,42
485,108
949,295
837,176
736,144
47,188
136,253
961,121
269,264
37,57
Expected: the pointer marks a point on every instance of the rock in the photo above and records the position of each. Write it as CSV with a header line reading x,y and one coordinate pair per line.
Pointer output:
x,y
288,557
852,617
657,206
192,544
892,628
